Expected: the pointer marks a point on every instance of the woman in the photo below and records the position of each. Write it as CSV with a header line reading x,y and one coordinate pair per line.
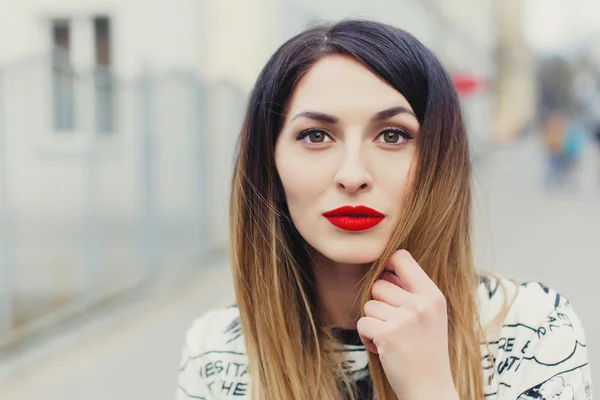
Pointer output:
x,y
351,250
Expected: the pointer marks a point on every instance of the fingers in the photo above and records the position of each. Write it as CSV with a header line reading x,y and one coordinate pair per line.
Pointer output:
x,y
411,274
368,329
380,310
389,293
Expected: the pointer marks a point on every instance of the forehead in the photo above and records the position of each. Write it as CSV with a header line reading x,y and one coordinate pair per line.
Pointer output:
x,y
340,85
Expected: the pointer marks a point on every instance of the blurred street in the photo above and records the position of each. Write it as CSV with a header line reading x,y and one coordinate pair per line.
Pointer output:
x,y
523,230
118,132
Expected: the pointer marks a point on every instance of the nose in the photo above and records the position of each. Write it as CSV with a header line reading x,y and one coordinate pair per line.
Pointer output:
x,y
353,176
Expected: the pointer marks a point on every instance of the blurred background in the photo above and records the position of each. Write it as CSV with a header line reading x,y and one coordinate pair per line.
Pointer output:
x,y
118,122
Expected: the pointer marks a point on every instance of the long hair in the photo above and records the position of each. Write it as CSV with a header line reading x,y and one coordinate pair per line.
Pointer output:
x,y
286,343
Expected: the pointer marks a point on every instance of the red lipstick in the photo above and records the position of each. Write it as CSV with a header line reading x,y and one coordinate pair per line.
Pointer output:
x,y
354,219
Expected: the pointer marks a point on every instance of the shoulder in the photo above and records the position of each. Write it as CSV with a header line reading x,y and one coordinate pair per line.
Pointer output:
x,y
535,342
216,330
214,364
522,302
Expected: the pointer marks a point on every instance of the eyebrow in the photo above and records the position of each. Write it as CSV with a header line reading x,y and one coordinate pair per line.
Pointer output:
x,y
330,119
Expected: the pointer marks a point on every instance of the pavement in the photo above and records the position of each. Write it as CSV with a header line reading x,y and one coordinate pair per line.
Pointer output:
x,y
523,230
130,353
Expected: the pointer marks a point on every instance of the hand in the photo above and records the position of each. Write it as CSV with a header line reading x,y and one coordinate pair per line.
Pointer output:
x,y
406,324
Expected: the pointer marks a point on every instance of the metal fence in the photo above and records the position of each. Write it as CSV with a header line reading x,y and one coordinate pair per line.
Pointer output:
x,y
106,184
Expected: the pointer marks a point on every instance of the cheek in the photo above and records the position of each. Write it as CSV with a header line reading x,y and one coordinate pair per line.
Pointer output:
x,y
393,175
303,179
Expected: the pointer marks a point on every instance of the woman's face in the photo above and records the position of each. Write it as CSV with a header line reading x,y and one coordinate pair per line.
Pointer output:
x,y
348,140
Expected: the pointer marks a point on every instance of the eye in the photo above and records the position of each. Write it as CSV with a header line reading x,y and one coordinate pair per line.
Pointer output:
x,y
314,136
393,136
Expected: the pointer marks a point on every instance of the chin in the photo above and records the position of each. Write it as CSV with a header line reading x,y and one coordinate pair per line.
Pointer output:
x,y
352,254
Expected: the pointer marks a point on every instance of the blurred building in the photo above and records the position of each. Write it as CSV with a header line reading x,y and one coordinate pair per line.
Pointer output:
x,y
117,125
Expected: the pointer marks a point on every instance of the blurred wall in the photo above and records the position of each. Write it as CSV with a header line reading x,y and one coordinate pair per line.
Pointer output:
x,y
162,34
164,37
87,210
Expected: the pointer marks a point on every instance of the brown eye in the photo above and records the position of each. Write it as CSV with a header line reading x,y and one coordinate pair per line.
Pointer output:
x,y
393,136
314,136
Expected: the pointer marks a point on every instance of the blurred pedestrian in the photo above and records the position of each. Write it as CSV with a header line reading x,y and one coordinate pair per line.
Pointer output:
x,y
573,146
553,131
597,141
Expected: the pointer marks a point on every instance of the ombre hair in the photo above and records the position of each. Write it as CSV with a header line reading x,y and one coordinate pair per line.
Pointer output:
x,y
291,353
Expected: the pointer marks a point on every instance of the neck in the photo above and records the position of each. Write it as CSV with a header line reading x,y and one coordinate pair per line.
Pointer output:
x,y
338,288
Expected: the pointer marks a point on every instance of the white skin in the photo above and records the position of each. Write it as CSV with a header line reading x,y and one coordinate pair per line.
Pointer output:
x,y
351,157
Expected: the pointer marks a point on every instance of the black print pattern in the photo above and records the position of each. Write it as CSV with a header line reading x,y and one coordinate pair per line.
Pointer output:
x,y
532,347
546,289
233,330
573,384
537,352
491,285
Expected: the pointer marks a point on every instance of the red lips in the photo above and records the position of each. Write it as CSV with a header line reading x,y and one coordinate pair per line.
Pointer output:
x,y
354,219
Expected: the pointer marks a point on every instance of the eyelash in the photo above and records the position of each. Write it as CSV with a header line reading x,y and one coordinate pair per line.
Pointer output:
x,y
399,131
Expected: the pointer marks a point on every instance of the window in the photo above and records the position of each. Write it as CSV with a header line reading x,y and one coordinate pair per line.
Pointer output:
x,y
103,76
62,77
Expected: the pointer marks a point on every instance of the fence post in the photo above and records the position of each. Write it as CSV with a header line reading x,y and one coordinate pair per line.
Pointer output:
x,y
6,306
149,224
93,266
198,131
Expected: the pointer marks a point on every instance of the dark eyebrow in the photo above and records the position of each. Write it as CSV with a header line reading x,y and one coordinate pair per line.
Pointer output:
x,y
390,112
330,119
317,116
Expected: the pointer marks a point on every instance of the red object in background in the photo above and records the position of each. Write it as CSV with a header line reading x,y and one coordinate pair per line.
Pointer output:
x,y
467,84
